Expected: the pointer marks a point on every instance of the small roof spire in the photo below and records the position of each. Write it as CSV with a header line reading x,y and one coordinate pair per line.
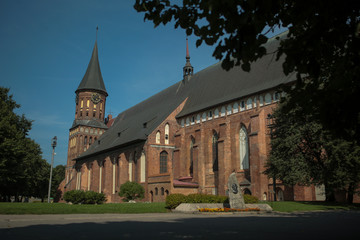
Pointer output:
x,y
188,70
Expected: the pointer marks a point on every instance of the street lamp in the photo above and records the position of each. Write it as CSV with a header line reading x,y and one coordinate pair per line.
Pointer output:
x,y
53,145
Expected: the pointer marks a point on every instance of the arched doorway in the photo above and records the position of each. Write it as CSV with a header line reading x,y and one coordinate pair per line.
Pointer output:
x,y
151,197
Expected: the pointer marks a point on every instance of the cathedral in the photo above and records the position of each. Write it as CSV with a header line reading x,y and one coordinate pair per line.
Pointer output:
x,y
186,139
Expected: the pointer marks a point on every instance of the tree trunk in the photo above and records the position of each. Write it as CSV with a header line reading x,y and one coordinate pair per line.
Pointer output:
x,y
350,193
329,193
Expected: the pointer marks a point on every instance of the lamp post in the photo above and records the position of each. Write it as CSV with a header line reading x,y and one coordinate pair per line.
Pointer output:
x,y
53,145
270,125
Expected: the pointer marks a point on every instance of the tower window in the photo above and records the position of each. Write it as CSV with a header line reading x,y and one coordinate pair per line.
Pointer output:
x,y
163,162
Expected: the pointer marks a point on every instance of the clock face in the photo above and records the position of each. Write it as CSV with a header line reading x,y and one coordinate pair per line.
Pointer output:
x,y
95,98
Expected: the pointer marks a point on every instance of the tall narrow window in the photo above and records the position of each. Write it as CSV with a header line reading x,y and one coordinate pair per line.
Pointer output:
x,y
192,142
142,167
130,167
85,140
157,140
215,151
163,162
87,103
167,133
244,148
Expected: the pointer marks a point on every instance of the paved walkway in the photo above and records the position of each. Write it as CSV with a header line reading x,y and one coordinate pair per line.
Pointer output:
x,y
314,225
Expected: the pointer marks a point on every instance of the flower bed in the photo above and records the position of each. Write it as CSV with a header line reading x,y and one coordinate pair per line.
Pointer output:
x,y
228,210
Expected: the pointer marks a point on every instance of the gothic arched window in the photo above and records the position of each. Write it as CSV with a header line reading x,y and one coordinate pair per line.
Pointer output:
x,y
157,140
167,133
163,162
191,169
215,139
244,148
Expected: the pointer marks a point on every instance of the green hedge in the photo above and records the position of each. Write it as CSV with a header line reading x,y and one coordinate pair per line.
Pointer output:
x,y
84,197
250,199
174,200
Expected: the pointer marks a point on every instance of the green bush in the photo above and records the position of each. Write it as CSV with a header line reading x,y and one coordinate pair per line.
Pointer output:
x,y
131,191
174,200
74,196
82,197
92,197
250,199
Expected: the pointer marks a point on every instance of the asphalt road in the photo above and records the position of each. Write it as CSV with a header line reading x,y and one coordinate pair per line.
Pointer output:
x,y
314,225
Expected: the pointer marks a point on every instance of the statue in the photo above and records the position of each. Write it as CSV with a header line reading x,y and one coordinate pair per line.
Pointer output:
x,y
236,198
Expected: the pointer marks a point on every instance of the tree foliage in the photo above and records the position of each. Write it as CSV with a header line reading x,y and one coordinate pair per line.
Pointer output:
x,y
305,153
131,191
23,172
322,44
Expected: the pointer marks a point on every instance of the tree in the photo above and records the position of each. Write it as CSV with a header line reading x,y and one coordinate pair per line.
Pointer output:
x,y
304,153
131,191
22,169
322,44
58,176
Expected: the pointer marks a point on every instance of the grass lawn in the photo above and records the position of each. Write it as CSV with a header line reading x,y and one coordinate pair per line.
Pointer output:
x,y
63,208
292,206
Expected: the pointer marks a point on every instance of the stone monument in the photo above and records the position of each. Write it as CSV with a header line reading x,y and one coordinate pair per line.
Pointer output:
x,y
236,198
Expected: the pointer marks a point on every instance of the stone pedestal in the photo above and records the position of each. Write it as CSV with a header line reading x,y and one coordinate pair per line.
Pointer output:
x,y
236,198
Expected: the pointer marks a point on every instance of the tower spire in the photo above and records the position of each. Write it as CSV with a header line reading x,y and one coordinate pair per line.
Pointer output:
x,y
188,70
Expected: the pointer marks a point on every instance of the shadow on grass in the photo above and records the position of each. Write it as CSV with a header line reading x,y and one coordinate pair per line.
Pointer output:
x,y
319,225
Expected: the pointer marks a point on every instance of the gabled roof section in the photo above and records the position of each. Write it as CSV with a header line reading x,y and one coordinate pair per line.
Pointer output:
x,y
214,85
92,79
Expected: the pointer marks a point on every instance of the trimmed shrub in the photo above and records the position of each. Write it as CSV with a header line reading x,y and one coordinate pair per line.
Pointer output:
x,y
82,197
92,197
250,199
174,200
131,191
74,196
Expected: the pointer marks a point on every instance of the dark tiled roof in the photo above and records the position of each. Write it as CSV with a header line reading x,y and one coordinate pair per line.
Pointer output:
x,y
92,79
209,87
89,123
214,85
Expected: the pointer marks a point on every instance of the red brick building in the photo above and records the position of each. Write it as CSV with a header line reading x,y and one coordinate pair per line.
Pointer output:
x,y
185,139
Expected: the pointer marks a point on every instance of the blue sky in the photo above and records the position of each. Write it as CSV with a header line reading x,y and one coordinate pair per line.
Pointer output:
x,y
46,46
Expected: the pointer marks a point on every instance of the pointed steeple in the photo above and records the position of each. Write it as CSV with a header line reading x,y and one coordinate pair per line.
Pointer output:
x,y
188,70
92,79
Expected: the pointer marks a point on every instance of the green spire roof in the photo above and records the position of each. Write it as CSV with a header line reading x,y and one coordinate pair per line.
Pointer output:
x,y
92,79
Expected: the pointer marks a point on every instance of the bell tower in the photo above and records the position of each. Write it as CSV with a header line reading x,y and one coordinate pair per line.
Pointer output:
x,y
90,102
